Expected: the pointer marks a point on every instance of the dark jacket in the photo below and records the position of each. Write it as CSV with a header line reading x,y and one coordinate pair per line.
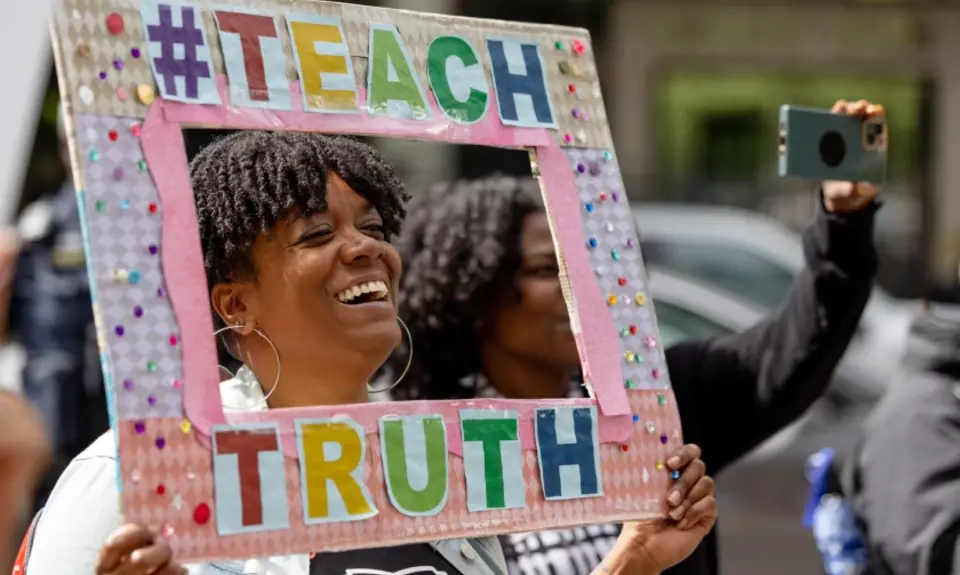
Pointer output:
x,y
736,391
903,479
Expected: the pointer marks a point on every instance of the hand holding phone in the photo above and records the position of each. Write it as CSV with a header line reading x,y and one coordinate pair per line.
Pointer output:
x,y
845,148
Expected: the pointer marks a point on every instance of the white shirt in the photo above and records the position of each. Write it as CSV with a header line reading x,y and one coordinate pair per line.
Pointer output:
x,y
84,507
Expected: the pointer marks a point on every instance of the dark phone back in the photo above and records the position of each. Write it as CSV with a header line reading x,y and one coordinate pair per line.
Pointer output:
x,y
820,145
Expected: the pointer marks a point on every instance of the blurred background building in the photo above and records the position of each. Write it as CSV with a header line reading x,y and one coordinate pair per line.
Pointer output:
x,y
692,90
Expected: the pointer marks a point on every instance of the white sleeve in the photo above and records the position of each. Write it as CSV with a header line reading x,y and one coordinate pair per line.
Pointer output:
x,y
82,511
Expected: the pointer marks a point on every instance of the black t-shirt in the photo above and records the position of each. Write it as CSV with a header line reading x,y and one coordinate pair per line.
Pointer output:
x,y
419,559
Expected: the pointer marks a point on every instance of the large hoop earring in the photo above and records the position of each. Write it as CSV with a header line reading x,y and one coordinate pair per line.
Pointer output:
x,y
276,354
405,369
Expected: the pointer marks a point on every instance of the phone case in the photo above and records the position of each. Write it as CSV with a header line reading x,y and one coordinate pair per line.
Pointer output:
x,y
820,145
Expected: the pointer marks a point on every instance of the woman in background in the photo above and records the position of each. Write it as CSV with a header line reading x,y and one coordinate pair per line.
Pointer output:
x,y
481,291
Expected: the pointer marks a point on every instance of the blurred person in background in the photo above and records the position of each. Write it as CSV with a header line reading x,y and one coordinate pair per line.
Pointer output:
x,y
50,314
24,455
893,507
482,292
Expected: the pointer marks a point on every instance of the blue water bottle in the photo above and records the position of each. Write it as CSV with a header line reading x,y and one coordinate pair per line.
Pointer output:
x,y
832,522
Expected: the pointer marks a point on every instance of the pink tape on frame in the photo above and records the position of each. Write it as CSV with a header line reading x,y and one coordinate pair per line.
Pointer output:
x,y
162,142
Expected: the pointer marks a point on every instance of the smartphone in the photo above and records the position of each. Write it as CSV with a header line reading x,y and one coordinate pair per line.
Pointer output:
x,y
820,145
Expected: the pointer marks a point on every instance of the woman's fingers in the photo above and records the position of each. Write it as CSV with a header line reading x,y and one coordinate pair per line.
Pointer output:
x,y
703,513
858,108
689,477
683,456
120,544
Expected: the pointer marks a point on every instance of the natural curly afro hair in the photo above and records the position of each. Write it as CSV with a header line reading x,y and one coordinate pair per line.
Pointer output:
x,y
461,250
247,182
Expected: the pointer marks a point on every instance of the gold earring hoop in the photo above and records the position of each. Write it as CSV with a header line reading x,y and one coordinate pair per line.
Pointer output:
x,y
405,369
276,354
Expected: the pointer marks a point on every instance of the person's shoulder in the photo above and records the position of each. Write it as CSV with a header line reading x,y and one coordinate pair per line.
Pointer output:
x,y
83,509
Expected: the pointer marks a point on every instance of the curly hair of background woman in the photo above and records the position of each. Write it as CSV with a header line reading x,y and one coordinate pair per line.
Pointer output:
x,y
460,248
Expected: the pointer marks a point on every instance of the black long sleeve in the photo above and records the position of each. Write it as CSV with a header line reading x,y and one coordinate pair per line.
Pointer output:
x,y
735,391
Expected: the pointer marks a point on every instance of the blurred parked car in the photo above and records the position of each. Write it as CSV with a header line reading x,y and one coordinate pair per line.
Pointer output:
x,y
752,259
689,309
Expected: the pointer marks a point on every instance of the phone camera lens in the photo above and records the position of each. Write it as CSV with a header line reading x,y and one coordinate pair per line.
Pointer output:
x,y
832,149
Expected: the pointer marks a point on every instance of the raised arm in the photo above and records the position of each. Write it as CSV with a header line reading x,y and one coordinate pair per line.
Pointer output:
x,y
736,391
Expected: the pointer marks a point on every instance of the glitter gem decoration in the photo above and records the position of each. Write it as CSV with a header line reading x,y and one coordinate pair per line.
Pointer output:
x,y
622,281
153,249
152,366
124,204
94,155
629,356
83,50
564,67
592,242
615,255
640,298
133,277
138,311
636,418
655,373
161,442
608,225
118,64
85,94
128,384
575,112
616,197
135,130
142,164
103,74
186,426
568,137
572,88
661,399
135,52
624,332
122,94
161,489
651,427
173,340
607,156
118,330
660,466
161,292
664,438
630,243
588,206
675,475
578,47
176,384
595,169
581,168
101,205
625,447
201,514
646,475
628,383
602,196
145,94
651,341
612,299
152,209
558,45
140,427
113,135
152,400
135,476
118,173
114,24
633,329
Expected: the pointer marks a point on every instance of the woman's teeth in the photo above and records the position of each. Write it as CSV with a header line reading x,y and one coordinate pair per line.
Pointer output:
x,y
377,290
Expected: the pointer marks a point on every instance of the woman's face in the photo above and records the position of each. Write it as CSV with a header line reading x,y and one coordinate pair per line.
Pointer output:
x,y
325,290
533,322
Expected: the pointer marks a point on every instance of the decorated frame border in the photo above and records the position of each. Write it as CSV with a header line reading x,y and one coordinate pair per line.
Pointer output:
x,y
184,464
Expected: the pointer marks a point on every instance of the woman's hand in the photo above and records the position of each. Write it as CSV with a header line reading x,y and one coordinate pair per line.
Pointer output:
x,y
650,547
134,550
845,197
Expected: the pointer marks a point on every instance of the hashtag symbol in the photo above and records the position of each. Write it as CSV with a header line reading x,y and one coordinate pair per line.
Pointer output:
x,y
189,36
